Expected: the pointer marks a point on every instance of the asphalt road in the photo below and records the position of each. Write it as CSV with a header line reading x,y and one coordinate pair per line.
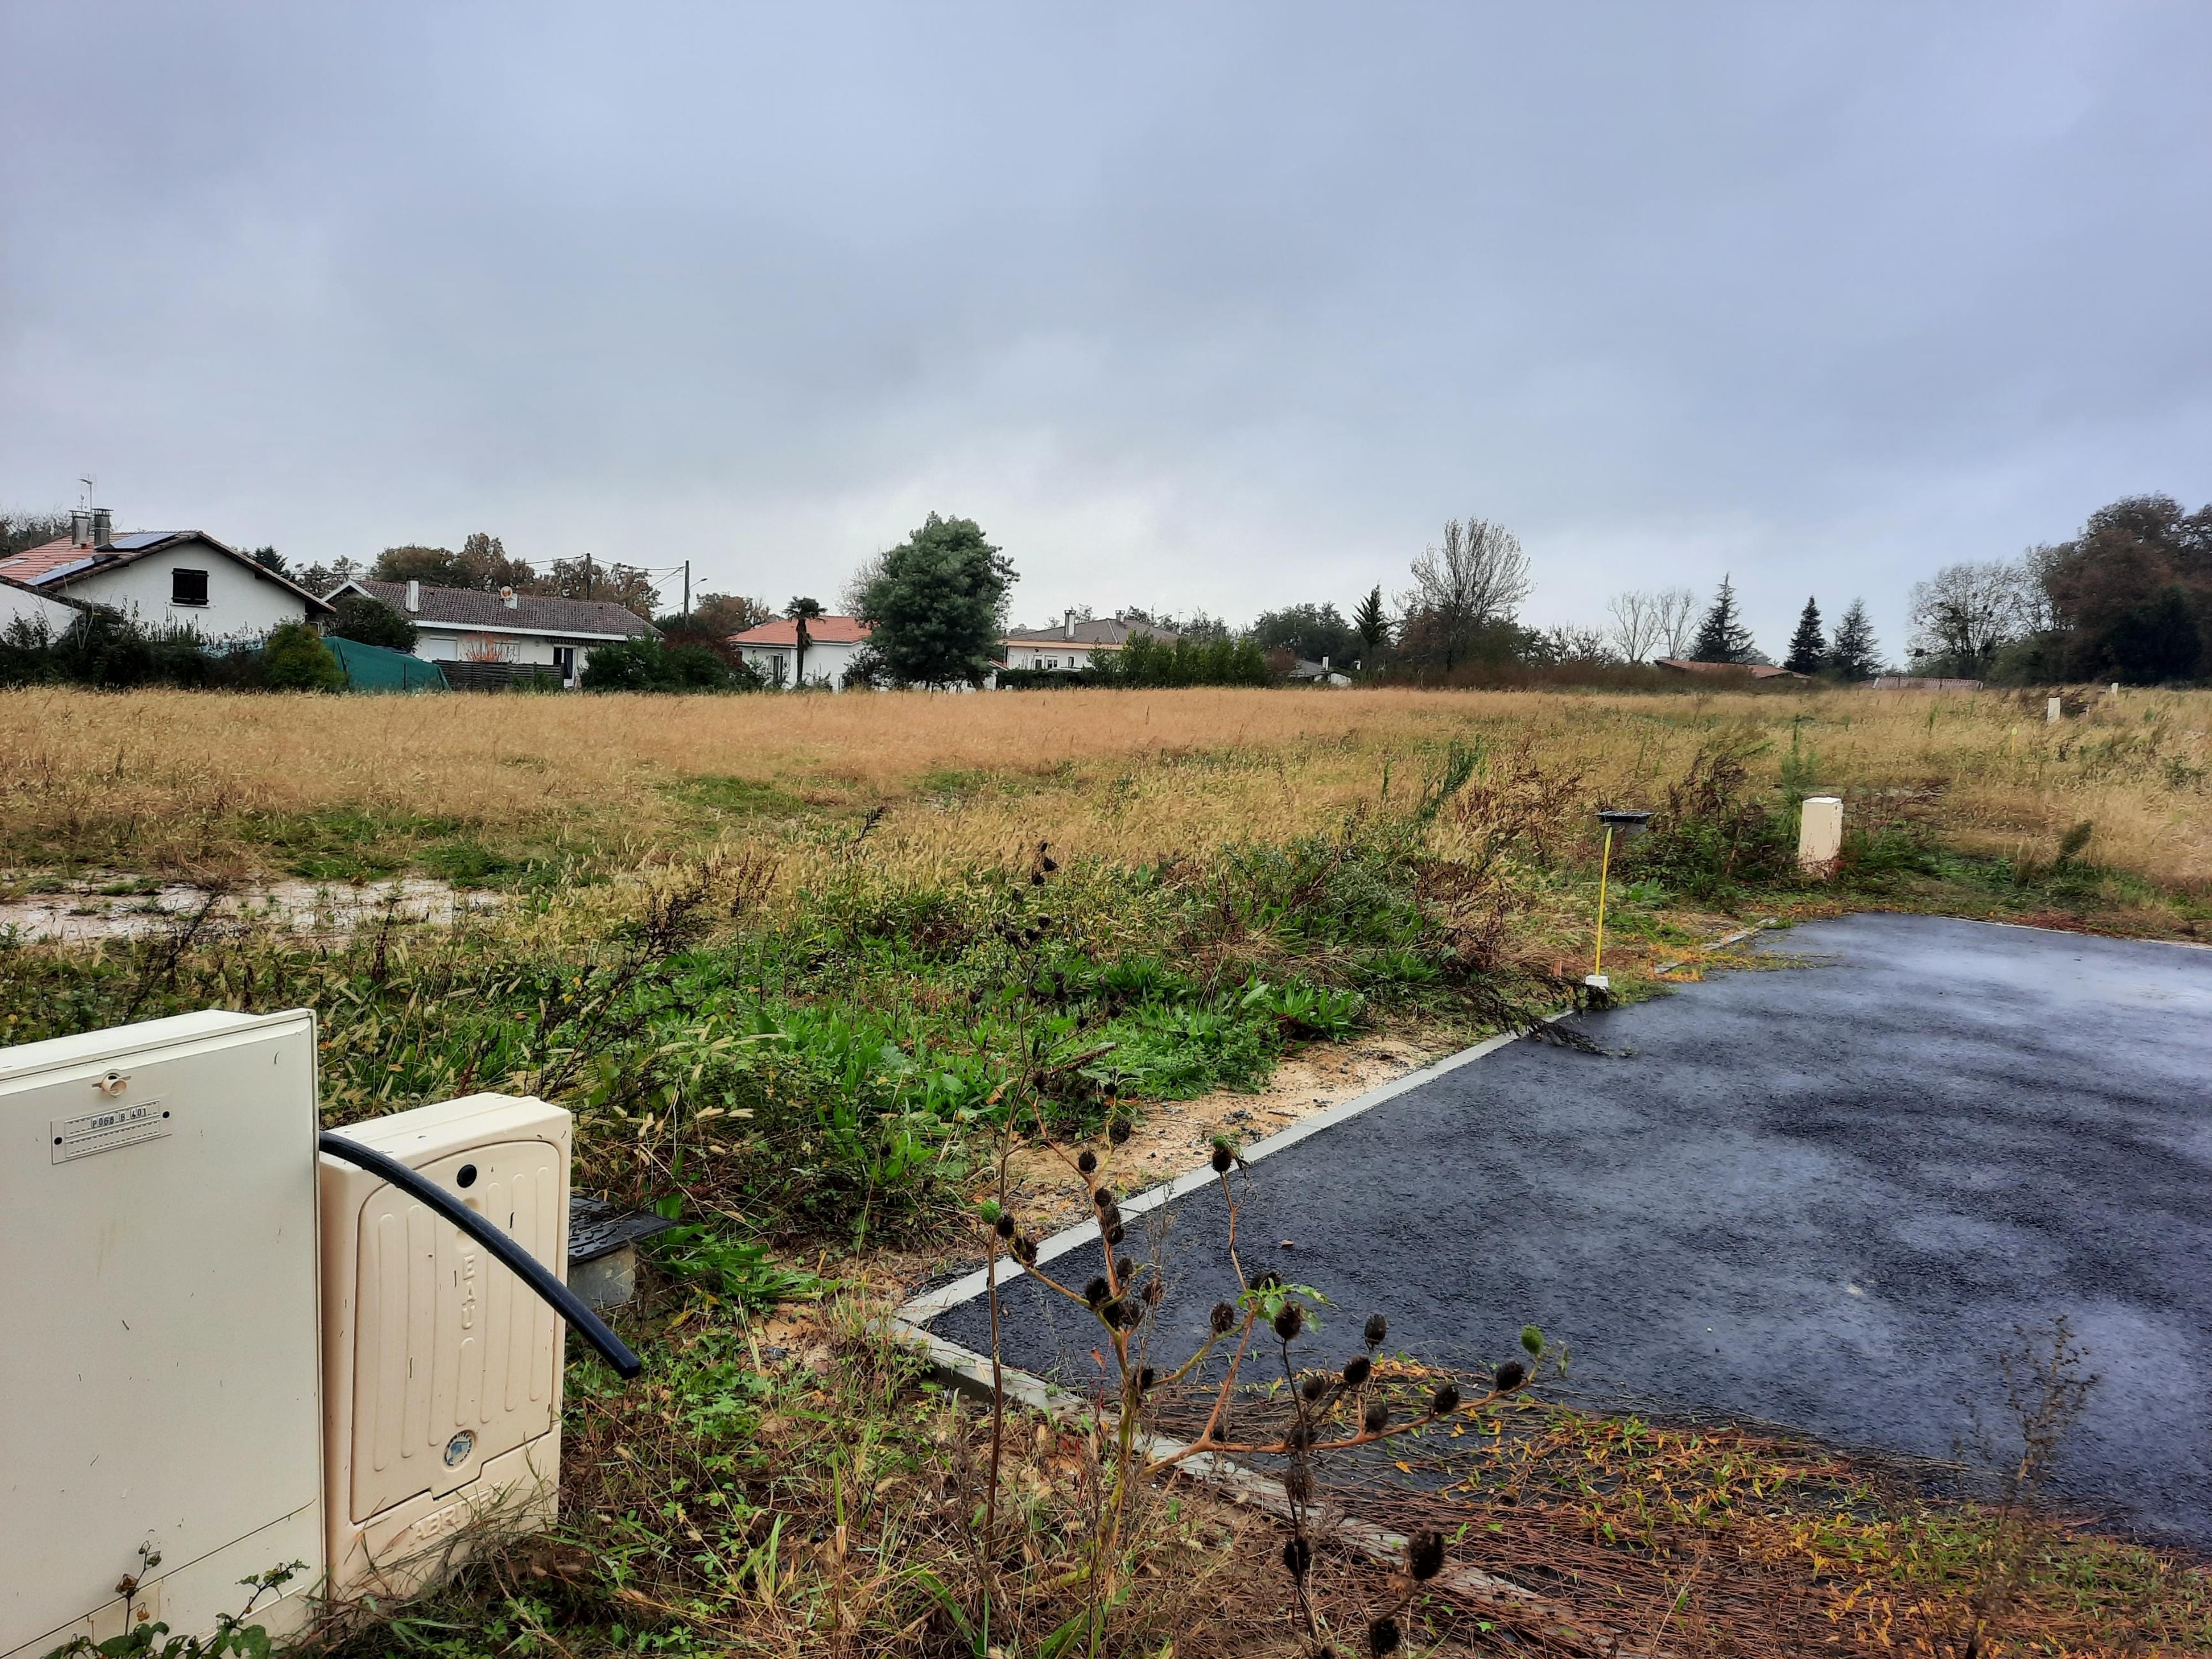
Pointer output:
x,y
1825,1197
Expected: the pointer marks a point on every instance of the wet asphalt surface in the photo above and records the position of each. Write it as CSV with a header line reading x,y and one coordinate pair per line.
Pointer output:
x,y
1824,1197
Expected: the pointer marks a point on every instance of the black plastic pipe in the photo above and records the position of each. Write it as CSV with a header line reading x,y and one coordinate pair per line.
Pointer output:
x,y
525,1266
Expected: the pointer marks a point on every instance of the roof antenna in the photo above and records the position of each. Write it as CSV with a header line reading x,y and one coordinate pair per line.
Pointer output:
x,y
87,482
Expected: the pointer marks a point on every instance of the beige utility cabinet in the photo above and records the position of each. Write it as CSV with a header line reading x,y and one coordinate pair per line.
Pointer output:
x,y
158,1358
443,1372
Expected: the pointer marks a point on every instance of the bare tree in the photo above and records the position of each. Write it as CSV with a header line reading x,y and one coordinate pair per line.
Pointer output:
x,y
1635,628
1673,624
1965,613
857,585
1475,578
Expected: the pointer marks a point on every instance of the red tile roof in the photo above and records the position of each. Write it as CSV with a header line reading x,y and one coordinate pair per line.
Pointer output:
x,y
33,562
820,630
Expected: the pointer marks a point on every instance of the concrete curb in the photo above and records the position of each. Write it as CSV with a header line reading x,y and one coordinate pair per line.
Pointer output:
x,y
969,1373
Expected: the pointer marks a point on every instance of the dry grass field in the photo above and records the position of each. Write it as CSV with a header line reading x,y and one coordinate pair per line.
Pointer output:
x,y
800,968
194,784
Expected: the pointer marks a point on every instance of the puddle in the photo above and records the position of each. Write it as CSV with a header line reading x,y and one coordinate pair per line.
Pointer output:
x,y
86,911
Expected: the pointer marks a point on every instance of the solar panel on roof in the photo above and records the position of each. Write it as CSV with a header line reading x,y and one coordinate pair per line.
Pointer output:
x,y
140,538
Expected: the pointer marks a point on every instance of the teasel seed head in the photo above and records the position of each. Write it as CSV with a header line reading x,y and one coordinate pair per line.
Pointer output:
x,y
1298,1556
1119,1130
1382,1638
1377,1328
1115,1234
1025,1251
1094,1291
1510,1375
1298,1484
1425,1555
1223,1157
1357,1370
1377,1417
1289,1321
1109,1214
1312,1386
1151,1294
1445,1401
1112,1310
1268,1280
1223,1318
1103,1198
1124,1270
1086,1160
1005,1224
1146,1379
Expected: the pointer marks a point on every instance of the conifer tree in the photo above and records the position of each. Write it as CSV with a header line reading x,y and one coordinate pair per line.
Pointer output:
x,y
1808,651
1722,637
1854,655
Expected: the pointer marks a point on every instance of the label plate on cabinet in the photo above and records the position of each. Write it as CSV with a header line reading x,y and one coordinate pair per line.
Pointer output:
x,y
105,1132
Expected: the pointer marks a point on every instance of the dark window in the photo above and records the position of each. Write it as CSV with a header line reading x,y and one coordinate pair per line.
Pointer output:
x,y
188,587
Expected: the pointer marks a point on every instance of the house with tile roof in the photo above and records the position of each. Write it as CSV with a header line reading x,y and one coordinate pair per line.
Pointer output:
x,y
163,579
527,630
832,643
1071,644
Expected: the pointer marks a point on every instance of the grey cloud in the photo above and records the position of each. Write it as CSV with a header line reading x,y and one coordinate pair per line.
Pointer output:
x,y
1213,305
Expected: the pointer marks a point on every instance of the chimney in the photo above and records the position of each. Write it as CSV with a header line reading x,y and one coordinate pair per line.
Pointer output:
x,y
507,597
1067,621
80,526
103,527
414,595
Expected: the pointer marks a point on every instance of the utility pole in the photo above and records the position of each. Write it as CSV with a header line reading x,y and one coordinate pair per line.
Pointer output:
x,y
587,575
687,590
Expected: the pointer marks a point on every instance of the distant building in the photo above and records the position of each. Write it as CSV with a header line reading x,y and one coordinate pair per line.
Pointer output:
x,y
1756,671
1920,683
177,579
832,642
523,630
1071,645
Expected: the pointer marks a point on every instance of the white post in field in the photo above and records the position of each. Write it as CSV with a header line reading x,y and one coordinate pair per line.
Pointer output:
x,y
1819,835
2053,708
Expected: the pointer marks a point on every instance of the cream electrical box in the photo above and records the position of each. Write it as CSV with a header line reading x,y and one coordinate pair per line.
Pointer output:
x,y
443,1372
158,1357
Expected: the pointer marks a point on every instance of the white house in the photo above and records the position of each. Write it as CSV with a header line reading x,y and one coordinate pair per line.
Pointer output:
x,y
181,579
466,625
20,602
1069,645
832,642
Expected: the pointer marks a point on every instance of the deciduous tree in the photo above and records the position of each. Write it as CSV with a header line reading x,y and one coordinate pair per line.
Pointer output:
x,y
1462,590
938,605
1965,613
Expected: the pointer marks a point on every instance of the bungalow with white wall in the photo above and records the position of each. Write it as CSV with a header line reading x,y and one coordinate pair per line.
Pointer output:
x,y
181,579
20,602
467,624
1071,645
832,643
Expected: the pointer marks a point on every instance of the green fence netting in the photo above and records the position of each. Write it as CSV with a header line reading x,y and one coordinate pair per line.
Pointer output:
x,y
373,668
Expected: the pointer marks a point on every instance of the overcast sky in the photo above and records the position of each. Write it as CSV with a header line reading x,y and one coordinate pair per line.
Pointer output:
x,y
1190,305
